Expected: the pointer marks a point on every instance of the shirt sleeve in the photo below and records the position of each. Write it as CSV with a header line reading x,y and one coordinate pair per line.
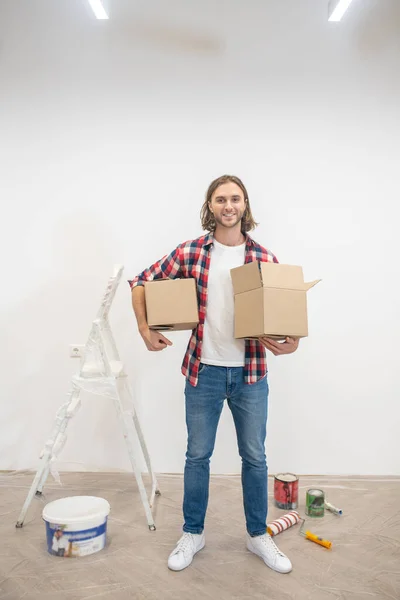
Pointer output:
x,y
168,267
268,256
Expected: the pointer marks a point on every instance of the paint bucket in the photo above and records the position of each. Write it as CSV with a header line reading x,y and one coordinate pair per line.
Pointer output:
x,y
76,526
286,491
315,503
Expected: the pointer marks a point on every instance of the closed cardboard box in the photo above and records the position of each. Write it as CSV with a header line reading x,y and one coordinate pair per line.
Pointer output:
x,y
270,300
171,304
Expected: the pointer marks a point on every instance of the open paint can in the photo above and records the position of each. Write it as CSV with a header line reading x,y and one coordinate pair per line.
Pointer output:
x,y
286,491
76,526
315,503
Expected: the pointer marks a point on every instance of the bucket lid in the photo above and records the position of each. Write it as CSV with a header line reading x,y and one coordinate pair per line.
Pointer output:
x,y
286,477
75,509
315,492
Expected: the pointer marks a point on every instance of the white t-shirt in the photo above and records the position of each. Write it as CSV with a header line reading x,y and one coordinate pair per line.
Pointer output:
x,y
219,345
62,542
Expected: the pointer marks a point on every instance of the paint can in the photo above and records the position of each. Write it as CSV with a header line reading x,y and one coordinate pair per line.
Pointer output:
x,y
286,491
76,526
283,523
315,503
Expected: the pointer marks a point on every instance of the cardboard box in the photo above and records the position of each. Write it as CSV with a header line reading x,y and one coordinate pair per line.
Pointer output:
x,y
171,304
271,300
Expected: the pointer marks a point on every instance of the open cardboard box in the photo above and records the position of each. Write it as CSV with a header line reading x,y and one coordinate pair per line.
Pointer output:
x,y
270,300
171,304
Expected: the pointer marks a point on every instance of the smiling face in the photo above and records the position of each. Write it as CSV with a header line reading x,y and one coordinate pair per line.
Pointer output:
x,y
228,205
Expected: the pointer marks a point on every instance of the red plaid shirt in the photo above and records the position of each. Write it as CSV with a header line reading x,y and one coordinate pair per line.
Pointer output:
x,y
192,259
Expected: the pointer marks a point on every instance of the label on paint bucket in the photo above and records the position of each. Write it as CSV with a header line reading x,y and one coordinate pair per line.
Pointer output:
x,y
76,525
63,542
286,490
315,503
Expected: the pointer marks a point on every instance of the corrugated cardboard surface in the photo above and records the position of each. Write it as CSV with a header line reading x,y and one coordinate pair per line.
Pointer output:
x,y
245,278
171,304
271,300
282,276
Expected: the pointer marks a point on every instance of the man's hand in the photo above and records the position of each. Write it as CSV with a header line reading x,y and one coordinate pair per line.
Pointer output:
x,y
154,340
277,348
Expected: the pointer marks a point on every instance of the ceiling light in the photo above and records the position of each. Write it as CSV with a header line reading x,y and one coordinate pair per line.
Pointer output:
x,y
337,8
98,9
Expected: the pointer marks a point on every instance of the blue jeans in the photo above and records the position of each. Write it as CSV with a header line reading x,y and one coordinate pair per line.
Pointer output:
x,y
249,407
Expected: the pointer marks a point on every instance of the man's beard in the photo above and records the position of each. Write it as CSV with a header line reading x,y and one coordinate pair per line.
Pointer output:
x,y
230,224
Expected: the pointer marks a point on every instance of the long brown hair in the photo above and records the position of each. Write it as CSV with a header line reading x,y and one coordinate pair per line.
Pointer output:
x,y
207,218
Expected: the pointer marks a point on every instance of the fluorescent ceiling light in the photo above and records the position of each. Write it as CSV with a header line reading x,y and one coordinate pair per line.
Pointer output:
x,y
337,8
98,9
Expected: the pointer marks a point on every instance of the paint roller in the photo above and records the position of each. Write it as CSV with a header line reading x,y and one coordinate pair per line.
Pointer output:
x,y
290,519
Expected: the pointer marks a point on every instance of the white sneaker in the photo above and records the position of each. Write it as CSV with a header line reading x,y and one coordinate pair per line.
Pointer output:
x,y
265,547
188,546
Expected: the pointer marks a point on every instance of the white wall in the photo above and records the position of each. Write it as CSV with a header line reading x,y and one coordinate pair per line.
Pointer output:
x,y
110,133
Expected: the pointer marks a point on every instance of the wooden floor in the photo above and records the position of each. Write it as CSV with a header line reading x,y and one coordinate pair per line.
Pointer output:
x,y
363,564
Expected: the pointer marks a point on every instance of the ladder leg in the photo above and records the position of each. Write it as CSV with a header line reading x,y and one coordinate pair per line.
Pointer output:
x,y
33,489
52,447
154,484
127,401
128,430
43,480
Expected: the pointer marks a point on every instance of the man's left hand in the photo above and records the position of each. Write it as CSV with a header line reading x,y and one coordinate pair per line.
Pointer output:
x,y
277,348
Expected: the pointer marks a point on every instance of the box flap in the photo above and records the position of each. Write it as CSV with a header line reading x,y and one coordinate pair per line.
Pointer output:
x,y
257,274
246,278
310,284
287,277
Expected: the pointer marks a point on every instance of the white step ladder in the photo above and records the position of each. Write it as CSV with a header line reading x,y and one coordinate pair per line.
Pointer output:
x,y
101,372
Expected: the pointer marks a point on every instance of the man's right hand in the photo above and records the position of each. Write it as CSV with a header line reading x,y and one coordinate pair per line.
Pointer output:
x,y
154,340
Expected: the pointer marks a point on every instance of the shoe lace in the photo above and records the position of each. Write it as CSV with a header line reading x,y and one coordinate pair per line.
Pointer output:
x,y
184,543
269,542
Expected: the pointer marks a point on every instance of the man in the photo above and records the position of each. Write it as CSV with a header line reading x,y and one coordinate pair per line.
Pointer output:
x,y
219,367
60,543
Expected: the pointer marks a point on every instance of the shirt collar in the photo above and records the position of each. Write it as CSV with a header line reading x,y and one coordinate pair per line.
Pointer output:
x,y
209,238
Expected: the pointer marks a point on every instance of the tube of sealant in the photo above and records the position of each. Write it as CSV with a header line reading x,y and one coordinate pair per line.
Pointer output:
x,y
333,509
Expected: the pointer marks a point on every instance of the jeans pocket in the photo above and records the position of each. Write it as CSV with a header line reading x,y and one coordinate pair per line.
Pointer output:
x,y
202,368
